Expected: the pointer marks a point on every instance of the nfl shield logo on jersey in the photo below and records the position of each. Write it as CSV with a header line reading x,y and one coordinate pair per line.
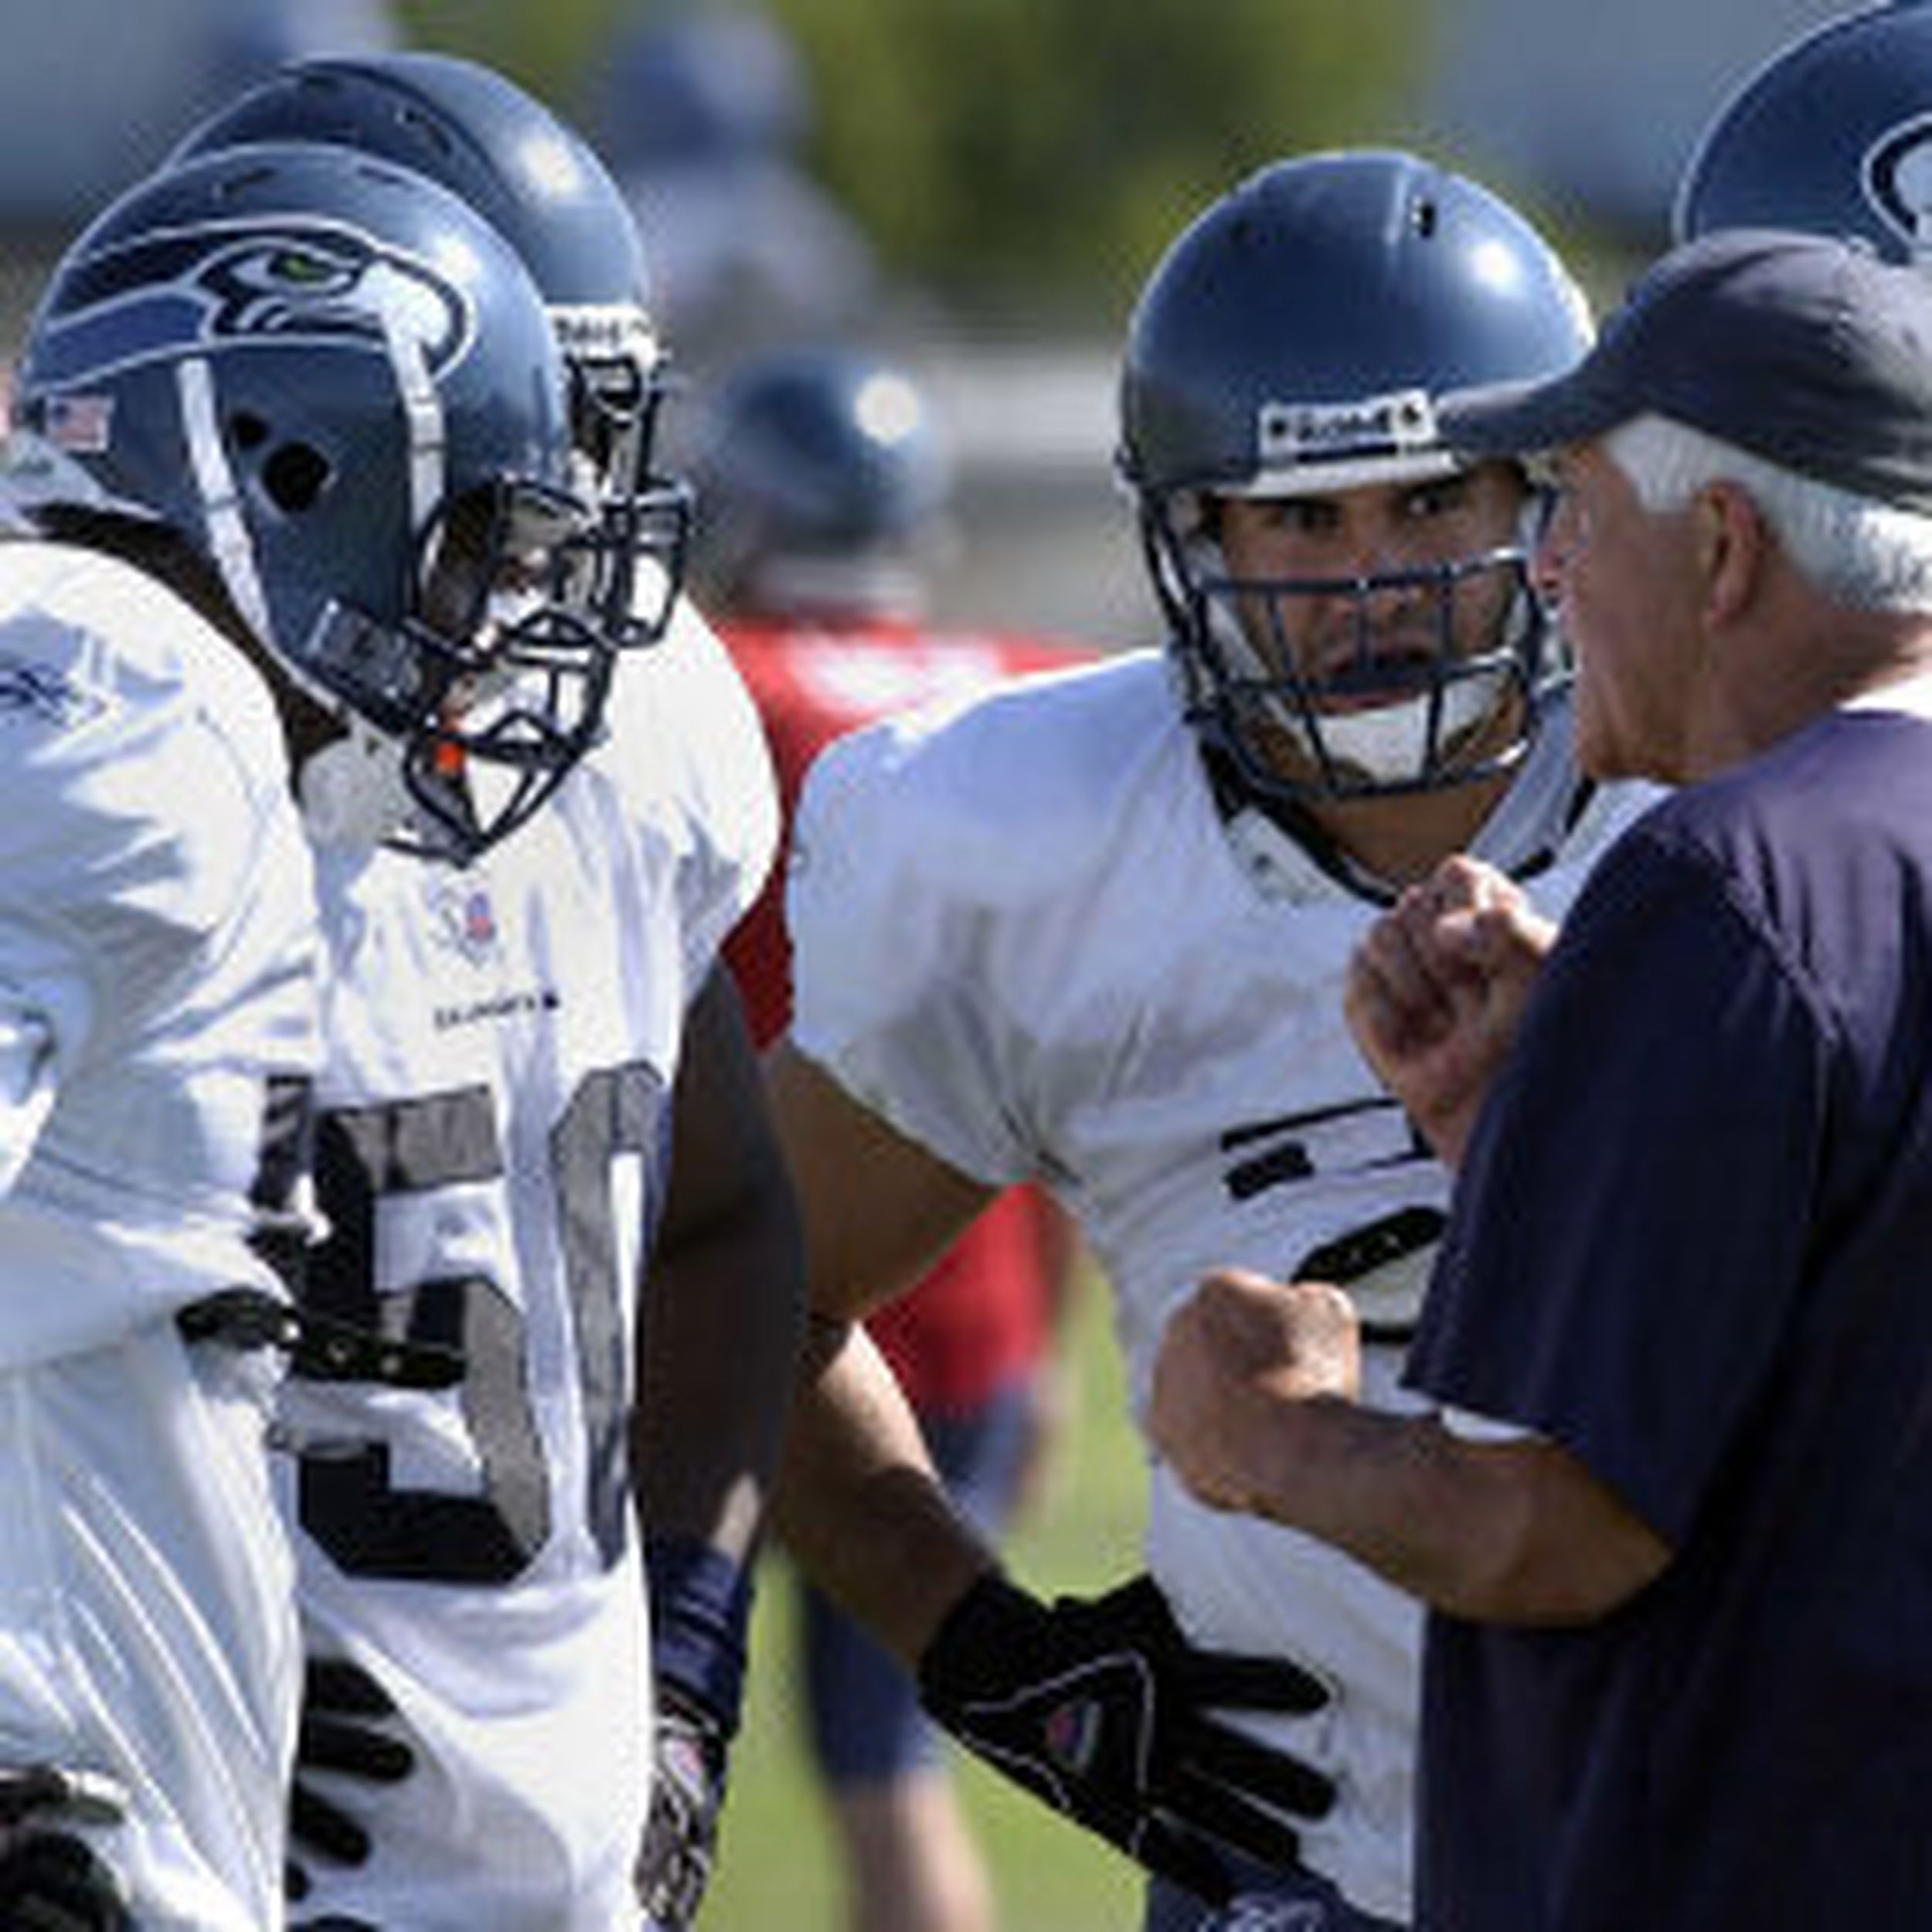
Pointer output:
x,y
464,916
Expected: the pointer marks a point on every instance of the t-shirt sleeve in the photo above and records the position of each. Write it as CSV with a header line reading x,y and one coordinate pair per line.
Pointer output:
x,y
1628,1231
691,756
896,991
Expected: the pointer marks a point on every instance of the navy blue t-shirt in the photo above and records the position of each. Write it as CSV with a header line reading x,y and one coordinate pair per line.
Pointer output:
x,y
1692,1243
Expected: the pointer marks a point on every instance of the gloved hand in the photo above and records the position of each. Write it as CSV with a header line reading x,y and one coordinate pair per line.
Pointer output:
x,y
344,1711
687,1792
1102,1708
53,1882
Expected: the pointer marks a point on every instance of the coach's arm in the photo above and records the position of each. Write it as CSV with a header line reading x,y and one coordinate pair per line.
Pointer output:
x,y
1253,1405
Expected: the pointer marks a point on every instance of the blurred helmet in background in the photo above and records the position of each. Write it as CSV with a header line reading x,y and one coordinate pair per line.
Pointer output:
x,y
822,480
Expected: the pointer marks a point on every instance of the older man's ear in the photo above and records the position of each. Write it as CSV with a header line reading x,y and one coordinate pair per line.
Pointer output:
x,y
1730,540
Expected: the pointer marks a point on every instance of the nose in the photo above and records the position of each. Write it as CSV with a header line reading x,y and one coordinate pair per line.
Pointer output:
x,y
1375,548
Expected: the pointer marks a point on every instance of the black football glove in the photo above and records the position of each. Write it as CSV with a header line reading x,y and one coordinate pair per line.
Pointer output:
x,y
53,1882
1103,1709
345,1712
687,1792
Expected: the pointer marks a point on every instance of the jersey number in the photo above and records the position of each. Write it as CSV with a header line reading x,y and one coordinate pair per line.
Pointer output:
x,y
350,1502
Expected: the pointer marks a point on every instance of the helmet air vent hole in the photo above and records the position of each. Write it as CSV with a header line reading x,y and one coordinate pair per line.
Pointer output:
x,y
294,476
1425,218
427,129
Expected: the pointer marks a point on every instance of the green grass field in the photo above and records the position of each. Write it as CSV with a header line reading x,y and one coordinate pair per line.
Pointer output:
x,y
776,1874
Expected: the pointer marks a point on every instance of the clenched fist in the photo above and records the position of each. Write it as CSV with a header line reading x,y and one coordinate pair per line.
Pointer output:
x,y
1236,1361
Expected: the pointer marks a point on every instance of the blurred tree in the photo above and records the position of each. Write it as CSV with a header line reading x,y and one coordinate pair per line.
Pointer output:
x,y
1017,156
1021,159
544,48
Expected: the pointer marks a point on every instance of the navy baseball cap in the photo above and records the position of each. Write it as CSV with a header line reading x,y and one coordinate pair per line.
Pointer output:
x,y
1807,351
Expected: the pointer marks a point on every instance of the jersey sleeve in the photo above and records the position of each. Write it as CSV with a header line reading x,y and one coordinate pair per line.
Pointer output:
x,y
157,951
690,754
1628,1233
897,988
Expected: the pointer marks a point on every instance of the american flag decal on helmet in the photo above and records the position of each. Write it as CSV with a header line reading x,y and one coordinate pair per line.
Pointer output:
x,y
80,425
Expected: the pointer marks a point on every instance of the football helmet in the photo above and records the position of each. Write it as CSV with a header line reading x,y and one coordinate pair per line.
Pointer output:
x,y
338,385
541,186
1833,133
820,474
1295,340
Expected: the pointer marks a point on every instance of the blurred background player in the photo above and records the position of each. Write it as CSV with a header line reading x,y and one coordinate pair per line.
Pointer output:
x,y
1091,930
539,1078
822,480
705,113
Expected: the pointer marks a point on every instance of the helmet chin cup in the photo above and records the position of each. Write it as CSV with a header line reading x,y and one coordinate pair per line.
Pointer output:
x,y
352,790
1400,746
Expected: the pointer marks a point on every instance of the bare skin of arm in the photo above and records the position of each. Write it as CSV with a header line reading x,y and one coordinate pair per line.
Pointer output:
x,y
1254,1404
857,1500
720,1333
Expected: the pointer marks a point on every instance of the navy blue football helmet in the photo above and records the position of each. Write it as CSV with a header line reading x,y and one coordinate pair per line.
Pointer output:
x,y
543,189
820,475
1832,134
338,385
1296,340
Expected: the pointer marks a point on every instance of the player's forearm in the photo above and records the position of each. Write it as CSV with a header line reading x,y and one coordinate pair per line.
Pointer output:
x,y
857,1502
722,1308
721,1323
1515,1532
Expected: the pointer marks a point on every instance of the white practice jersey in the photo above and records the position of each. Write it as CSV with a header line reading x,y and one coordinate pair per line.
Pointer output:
x,y
1025,935
495,1108
158,1026
157,958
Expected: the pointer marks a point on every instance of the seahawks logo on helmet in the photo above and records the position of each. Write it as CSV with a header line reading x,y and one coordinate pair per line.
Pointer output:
x,y
1897,179
291,282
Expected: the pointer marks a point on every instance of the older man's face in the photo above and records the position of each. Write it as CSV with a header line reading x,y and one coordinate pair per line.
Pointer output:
x,y
1622,582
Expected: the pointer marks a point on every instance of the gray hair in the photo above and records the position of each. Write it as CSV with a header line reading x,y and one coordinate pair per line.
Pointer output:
x,y
1863,555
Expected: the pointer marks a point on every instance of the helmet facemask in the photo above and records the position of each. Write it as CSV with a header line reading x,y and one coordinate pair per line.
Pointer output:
x,y
618,387
486,680
1404,680
513,592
